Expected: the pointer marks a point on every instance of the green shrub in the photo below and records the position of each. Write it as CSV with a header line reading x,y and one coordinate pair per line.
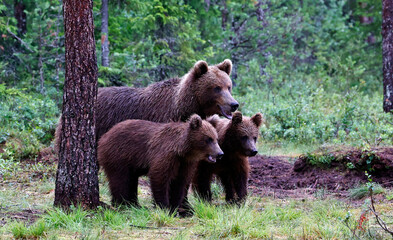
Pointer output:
x,y
21,231
26,121
314,116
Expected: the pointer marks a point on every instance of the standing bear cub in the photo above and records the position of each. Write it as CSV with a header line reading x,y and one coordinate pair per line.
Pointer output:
x,y
204,90
237,138
167,152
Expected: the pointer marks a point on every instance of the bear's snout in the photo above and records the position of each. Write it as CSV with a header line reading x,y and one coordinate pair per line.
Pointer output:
x,y
234,106
253,153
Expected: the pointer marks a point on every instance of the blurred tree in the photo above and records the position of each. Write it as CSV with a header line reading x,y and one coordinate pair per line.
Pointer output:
x,y
104,34
20,16
77,173
387,55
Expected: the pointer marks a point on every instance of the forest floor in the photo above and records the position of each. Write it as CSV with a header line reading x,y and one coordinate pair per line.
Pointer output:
x,y
289,197
278,176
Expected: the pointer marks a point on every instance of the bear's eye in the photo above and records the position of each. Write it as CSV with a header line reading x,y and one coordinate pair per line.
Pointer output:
x,y
217,89
209,140
255,139
229,88
244,138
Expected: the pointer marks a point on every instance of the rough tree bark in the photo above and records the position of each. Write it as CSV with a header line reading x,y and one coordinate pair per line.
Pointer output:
x,y
387,54
104,34
77,173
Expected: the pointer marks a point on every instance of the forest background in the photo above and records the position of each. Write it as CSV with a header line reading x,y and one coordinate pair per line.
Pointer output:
x,y
313,68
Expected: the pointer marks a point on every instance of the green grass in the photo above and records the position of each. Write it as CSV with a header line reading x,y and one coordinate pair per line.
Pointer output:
x,y
314,217
363,191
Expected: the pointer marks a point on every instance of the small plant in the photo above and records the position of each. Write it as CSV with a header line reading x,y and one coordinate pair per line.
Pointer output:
x,y
204,210
21,231
321,193
369,156
38,229
320,160
162,217
75,218
389,197
350,166
7,165
357,227
377,216
363,190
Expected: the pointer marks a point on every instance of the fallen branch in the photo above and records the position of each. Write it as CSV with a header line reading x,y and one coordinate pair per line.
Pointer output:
x,y
380,222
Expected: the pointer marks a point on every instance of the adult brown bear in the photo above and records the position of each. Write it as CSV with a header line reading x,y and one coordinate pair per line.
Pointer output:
x,y
204,90
237,138
167,152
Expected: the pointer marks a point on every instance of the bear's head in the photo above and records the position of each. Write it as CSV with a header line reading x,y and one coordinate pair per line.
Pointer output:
x,y
212,87
242,133
203,139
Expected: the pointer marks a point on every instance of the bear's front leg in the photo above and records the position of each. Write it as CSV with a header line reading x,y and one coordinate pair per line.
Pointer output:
x,y
228,187
120,183
202,181
178,197
240,185
160,190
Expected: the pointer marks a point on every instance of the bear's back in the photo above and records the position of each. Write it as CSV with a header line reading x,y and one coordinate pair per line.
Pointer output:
x,y
153,103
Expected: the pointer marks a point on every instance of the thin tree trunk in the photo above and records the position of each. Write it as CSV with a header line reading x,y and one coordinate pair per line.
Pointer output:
x,y
77,173
40,64
20,17
104,34
224,14
387,54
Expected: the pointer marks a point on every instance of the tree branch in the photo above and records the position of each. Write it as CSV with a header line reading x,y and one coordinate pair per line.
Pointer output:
x,y
20,40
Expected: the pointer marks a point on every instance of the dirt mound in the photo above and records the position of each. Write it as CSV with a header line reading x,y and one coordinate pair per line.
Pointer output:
x,y
278,175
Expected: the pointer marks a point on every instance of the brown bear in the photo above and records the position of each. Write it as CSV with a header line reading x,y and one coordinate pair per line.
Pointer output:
x,y
204,90
237,138
167,152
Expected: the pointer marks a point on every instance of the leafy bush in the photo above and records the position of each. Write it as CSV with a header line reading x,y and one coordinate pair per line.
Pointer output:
x,y
26,122
315,117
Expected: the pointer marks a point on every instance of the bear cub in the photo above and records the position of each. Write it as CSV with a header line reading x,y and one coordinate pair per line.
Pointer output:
x,y
237,138
167,153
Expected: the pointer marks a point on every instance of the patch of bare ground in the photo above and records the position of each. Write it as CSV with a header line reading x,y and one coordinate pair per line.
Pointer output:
x,y
29,216
276,176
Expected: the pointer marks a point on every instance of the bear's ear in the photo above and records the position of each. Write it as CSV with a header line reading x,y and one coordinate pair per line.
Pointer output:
x,y
213,120
195,122
237,117
225,66
257,119
199,69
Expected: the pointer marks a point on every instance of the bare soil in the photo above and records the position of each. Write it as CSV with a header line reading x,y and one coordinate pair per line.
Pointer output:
x,y
28,216
279,177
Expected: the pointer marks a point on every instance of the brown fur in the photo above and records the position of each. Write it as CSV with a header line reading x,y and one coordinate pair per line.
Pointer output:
x,y
167,152
237,138
171,100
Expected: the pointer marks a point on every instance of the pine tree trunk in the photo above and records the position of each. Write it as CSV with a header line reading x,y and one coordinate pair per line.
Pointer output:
x,y
224,14
20,16
387,54
77,173
104,34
